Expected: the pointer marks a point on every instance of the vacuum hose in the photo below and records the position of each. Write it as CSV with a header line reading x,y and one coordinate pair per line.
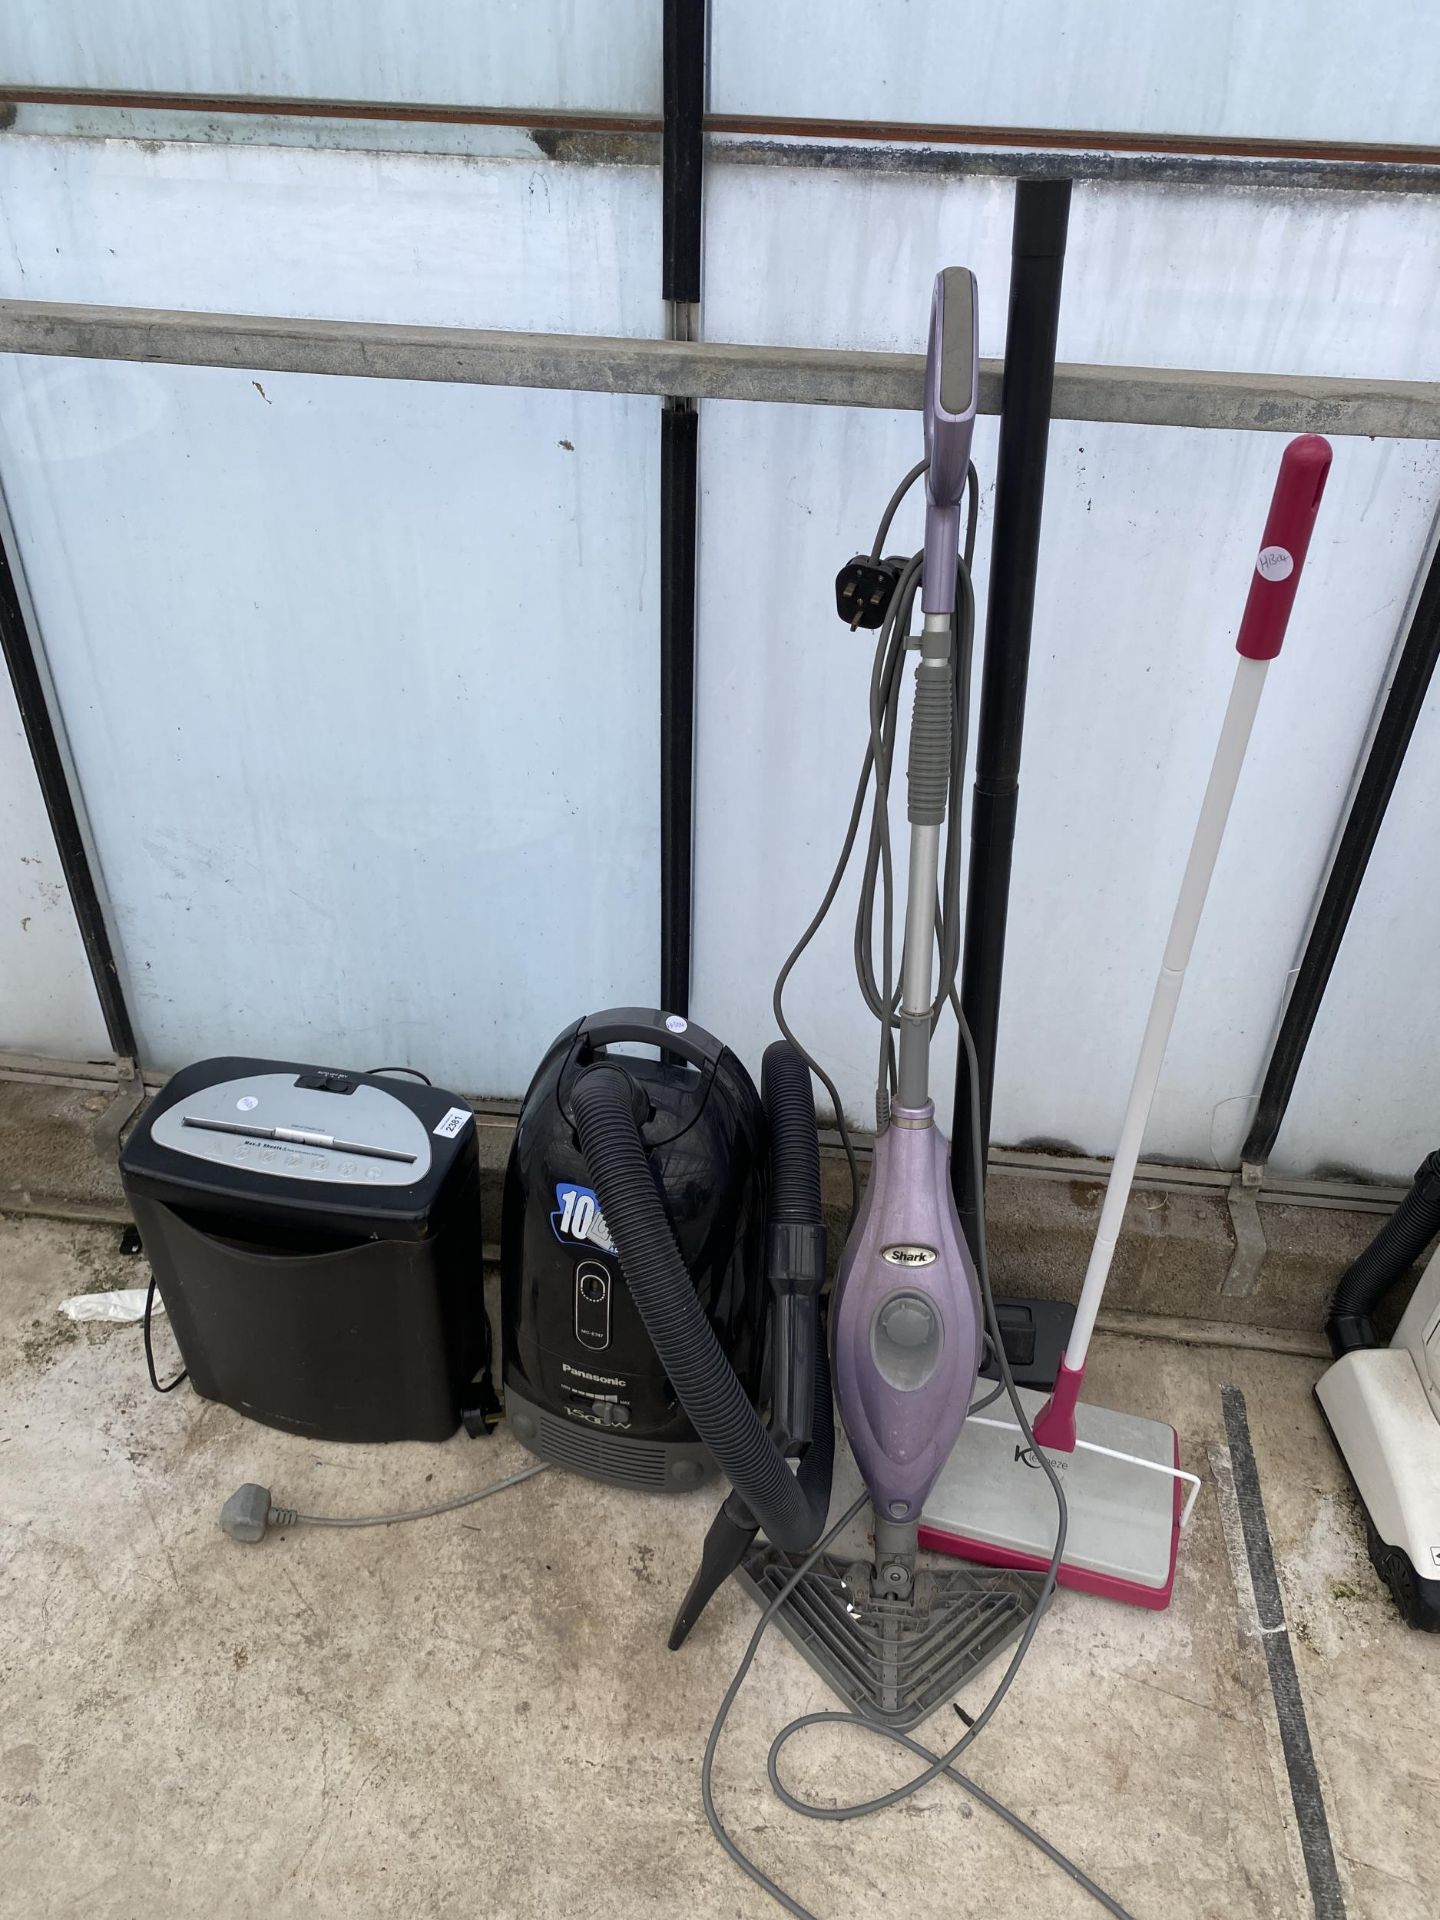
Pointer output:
x,y
791,1507
789,1102
1392,1253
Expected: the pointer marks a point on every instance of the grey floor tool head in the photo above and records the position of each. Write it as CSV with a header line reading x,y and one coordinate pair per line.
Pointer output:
x,y
894,1660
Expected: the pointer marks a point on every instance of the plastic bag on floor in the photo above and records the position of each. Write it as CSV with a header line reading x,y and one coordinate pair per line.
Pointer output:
x,y
123,1304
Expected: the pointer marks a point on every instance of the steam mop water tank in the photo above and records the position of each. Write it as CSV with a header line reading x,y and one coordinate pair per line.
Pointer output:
x,y
315,1237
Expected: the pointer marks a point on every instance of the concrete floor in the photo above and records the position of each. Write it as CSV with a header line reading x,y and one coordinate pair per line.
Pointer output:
x,y
477,1715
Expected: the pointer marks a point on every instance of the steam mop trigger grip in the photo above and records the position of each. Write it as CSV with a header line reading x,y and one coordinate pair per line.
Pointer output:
x,y
952,385
952,391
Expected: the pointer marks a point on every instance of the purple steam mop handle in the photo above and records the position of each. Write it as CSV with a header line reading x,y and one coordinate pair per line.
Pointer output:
x,y
905,1320
952,388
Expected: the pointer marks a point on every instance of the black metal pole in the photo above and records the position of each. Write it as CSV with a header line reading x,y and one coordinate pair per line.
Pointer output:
x,y
679,471
1037,265
1403,703
683,150
19,651
681,215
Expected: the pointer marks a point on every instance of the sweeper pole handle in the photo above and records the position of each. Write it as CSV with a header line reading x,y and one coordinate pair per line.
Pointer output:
x,y
1303,469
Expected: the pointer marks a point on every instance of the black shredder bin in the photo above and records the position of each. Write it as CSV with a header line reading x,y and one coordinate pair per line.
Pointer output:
x,y
315,1236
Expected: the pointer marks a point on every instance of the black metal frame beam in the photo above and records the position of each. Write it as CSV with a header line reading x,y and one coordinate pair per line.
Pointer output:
x,y
681,249
1403,703
679,493
18,647
1037,265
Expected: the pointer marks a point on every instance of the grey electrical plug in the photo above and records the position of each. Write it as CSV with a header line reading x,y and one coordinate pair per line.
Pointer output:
x,y
246,1514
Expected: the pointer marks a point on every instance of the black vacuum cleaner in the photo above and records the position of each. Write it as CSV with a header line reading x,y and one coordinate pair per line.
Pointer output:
x,y
662,1256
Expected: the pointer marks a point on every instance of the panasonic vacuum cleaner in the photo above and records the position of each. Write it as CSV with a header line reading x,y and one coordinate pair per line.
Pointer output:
x,y
586,1386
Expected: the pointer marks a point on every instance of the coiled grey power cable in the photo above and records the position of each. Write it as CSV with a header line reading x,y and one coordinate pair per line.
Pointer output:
x,y
938,1763
886,685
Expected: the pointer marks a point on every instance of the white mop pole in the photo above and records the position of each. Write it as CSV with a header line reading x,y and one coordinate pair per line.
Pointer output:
x,y
1209,831
1303,469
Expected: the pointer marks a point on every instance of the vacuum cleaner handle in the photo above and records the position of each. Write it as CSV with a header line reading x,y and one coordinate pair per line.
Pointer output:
x,y
1304,468
952,391
647,1027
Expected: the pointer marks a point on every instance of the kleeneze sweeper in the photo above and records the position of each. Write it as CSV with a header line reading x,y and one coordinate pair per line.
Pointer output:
x,y
663,1228
1128,1497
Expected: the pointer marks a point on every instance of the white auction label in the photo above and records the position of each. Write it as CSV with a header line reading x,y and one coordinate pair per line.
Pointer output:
x,y
1275,563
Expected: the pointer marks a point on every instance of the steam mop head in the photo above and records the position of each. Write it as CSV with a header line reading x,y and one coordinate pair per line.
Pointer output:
x,y
993,1504
894,1661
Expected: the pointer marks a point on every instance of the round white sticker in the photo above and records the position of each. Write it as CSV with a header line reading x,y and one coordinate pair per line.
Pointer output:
x,y
1275,563
248,1104
675,1023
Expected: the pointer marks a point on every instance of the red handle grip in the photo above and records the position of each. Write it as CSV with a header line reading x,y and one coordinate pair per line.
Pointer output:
x,y
1304,466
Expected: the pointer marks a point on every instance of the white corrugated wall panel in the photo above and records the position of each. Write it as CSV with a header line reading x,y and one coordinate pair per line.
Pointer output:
x,y
481,53
371,766
432,239
1149,539
1289,69
366,758
1239,281
1367,1099
47,998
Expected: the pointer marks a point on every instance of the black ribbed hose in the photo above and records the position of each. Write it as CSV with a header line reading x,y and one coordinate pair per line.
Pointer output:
x,y
1391,1254
789,1101
791,1507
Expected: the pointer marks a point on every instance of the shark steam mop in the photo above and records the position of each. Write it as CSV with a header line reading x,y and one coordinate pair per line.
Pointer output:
x,y
906,1318
1128,1497
895,1637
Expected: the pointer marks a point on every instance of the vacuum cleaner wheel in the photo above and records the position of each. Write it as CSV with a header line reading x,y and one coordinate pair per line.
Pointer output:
x,y
894,1661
